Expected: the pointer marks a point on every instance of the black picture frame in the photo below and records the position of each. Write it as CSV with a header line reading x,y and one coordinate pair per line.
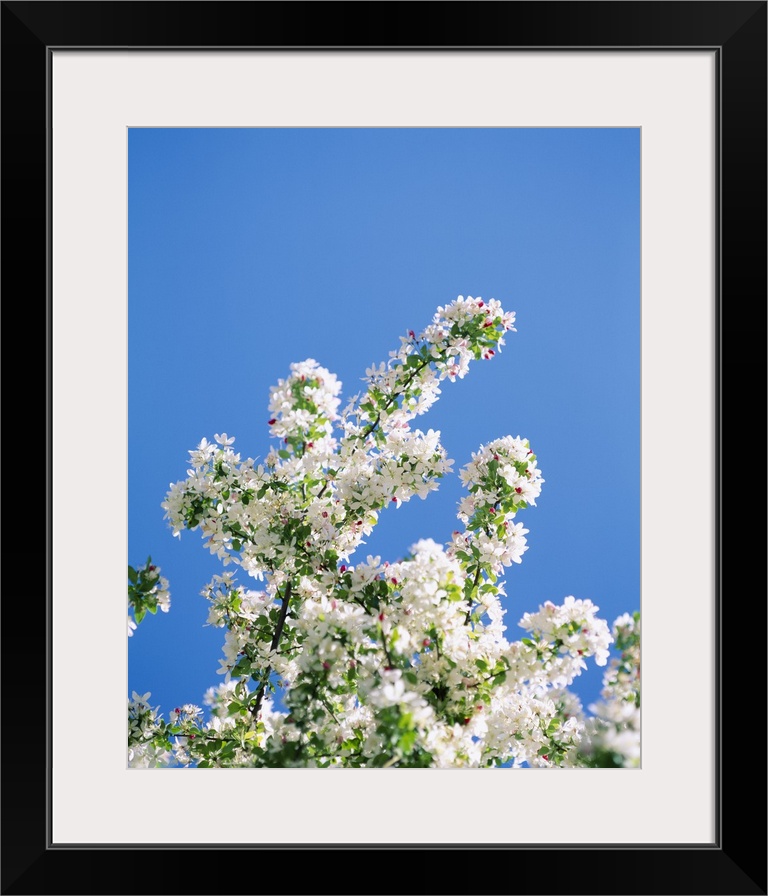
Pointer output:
x,y
732,865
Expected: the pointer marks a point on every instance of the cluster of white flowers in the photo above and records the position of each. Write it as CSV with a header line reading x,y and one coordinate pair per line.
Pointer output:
x,y
146,746
612,735
376,664
408,385
304,409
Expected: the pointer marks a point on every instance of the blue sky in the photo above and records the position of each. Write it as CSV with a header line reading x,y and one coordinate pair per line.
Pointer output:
x,y
250,249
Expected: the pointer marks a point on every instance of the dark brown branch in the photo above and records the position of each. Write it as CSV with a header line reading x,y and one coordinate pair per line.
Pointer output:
x,y
273,646
469,599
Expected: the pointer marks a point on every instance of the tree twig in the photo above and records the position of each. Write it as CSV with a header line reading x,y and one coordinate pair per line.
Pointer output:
x,y
273,646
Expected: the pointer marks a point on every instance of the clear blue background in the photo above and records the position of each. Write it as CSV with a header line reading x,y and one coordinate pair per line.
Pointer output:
x,y
253,248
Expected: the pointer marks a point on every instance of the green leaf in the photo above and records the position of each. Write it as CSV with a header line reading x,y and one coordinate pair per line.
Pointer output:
x,y
139,613
284,454
242,667
133,575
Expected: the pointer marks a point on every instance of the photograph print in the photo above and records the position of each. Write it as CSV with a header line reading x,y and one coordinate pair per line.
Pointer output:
x,y
384,448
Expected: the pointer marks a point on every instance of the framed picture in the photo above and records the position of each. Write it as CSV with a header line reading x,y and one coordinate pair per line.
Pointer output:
x,y
89,87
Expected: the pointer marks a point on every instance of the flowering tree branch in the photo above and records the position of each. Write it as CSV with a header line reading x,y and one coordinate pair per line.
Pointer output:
x,y
377,664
